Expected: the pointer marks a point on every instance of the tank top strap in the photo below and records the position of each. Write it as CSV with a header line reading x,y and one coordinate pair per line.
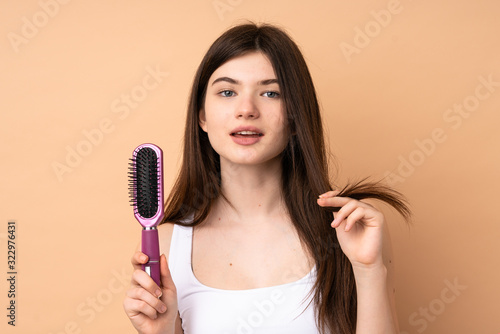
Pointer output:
x,y
179,257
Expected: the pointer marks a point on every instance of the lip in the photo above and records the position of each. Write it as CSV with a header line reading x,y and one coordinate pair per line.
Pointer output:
x,y
249,140
247,128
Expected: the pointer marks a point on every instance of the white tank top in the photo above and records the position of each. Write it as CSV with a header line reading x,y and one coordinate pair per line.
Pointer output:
x,y
206,310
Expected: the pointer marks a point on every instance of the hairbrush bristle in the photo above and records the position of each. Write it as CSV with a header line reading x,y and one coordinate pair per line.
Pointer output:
x,y
143,182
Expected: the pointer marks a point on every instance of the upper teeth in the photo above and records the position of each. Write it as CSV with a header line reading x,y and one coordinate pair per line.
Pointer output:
x,y
247,133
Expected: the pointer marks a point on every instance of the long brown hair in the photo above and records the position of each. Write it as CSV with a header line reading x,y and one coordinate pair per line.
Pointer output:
x,y
304,168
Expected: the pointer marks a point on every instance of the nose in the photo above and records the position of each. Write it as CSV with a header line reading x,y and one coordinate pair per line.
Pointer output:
x,y
247,108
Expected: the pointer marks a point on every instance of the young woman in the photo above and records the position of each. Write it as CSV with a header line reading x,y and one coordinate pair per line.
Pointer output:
x,y
248,233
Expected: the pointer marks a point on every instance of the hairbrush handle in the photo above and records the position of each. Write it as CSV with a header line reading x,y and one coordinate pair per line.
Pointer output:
x,y
151,247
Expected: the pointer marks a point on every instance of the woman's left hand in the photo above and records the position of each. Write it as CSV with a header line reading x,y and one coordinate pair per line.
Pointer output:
x,y
359,227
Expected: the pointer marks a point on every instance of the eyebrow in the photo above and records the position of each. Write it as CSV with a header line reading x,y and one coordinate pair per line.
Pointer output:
x,y
236,82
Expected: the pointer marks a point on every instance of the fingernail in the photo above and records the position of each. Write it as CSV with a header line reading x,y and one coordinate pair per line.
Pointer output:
x,y
158,293
144,257
163,308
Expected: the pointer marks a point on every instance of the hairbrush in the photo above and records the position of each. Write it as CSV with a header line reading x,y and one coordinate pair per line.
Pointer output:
x,y
146,193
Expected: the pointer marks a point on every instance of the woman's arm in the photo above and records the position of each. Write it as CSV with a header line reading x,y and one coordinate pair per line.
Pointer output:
x,y
365,240
376,295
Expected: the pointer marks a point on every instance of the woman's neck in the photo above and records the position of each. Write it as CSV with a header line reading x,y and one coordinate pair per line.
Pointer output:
x,y
253,193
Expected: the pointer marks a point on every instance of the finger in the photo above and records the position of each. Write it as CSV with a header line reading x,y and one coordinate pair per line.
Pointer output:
x,y
355,216
140,278
334,201
344,212
322,201
142,294
331,193
138,259
328,204
136,306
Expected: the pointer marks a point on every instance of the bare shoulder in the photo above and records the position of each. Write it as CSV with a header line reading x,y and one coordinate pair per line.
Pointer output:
x,y
165,237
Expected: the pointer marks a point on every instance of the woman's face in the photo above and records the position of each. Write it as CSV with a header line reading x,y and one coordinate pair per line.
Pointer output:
x,y
243,114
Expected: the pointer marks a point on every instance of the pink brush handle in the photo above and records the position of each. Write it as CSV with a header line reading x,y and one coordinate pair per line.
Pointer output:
x,y
151,248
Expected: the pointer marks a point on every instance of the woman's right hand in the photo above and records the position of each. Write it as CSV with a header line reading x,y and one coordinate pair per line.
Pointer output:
x,y
148,313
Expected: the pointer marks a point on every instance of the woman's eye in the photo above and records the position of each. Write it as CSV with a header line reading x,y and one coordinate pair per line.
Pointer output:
x,y
271,94
227,93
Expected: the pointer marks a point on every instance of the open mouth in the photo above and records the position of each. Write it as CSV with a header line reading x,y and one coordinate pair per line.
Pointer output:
x,y
246,134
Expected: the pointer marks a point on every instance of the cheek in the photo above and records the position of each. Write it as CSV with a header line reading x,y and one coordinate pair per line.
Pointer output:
x,y
281,123
215,111
285,132
284,141
212,119
281,134
215,130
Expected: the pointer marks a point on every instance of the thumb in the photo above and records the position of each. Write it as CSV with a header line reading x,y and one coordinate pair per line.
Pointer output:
x,y
166,278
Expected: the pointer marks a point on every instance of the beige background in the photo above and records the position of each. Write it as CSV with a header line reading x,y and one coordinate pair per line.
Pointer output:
x,y
386,98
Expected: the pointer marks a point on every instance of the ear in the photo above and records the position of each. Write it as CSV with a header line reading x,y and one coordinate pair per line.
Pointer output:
x,y
202,120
